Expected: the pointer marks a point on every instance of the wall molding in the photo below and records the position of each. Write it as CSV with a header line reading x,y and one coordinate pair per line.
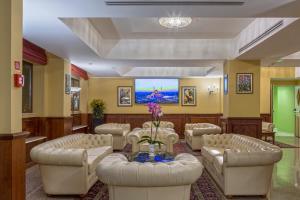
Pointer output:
x,y
12,165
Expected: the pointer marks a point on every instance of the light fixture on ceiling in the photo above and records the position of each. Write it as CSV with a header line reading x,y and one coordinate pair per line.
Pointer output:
x,y
175,22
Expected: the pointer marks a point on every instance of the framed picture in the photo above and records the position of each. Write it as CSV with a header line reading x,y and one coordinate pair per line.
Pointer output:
x,y
188,96
124,96
67,83
244,83
225,83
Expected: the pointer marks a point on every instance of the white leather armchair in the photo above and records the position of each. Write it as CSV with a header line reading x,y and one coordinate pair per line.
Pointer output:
x,y
162,125
168,137
240,165
68,164
193,133
151,181
118,131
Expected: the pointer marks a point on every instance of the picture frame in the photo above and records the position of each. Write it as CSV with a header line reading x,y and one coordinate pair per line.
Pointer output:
x,y
244,83
188,96
124,96
68,83
225,84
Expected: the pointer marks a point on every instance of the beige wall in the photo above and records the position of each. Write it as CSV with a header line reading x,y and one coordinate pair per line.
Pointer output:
x,y
106,89
242,105
49,98
10,51
266,74
84,84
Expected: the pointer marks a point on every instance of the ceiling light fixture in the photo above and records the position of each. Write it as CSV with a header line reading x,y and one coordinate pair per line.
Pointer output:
x,y
175,22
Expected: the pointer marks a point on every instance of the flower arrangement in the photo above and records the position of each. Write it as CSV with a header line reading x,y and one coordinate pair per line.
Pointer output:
x,y
156,114
98,107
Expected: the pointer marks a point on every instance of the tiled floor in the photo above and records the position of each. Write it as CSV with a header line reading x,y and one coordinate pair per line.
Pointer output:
x,y
286,175
285,183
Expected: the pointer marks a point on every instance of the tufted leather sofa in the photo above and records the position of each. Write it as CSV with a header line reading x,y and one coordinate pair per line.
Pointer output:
x,y
193,133
151,181
241,165
68,164
163,125
168,137
118,131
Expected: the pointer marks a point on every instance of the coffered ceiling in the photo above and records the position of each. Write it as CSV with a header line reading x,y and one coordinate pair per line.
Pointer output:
x,y
127,40
149,28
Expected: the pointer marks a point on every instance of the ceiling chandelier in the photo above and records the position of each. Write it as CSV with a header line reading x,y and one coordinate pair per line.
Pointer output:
x,y
175,22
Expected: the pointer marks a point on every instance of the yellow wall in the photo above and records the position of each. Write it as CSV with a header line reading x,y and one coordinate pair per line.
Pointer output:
x,y
266,74
10,51
242,105
49,98
84,84
106,89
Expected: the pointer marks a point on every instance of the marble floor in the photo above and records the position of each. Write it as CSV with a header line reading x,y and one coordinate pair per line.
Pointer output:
x,y
286,174
285,182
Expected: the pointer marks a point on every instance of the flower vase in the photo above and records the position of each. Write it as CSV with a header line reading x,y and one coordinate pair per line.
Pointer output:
x,y
151,150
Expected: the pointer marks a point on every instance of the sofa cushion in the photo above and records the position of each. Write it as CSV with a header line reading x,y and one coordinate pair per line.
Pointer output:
x,y
218,163
210,152
95,155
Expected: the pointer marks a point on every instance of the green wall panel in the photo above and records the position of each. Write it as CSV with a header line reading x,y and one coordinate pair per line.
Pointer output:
x,y
283,107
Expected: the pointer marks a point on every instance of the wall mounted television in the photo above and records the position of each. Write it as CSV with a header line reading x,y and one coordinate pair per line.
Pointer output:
x,y
163,91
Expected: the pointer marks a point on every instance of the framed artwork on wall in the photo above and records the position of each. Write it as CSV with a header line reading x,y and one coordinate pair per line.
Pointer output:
x,y
244,83
225,83
124,96
188,96
67,83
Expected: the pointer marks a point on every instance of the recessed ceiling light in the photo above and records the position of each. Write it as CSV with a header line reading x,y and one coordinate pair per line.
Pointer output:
x,y
175,22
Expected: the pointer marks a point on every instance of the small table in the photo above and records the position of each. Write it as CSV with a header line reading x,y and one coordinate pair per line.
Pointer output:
x,y
266,134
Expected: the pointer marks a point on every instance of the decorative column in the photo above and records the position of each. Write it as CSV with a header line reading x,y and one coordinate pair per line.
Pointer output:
x,y
242,108
12,142
57,102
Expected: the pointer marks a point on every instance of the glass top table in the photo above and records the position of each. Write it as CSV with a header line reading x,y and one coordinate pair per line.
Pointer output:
x,y
143,157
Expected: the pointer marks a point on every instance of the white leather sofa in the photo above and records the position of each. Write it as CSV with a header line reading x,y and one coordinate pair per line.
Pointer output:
x,y
68,164
118,131
240,165
162,125
168,137
193,133
151,181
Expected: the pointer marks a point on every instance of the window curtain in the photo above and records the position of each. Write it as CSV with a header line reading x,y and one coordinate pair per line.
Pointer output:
x,y
76,71
34,53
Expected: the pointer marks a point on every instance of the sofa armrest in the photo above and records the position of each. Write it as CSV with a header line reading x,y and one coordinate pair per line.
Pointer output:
x,y
240,159
59,156
133,137
171,137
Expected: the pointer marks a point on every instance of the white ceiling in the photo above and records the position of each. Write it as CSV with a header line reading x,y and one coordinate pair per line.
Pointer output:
x,y
200,28
129,36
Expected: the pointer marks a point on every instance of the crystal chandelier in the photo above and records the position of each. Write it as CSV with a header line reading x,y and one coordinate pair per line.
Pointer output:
x,y
175,22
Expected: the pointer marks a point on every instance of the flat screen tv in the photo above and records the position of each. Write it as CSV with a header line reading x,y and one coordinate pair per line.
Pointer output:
x,y
163,91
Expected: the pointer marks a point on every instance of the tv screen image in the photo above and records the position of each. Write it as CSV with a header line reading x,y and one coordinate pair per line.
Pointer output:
x,y
164,91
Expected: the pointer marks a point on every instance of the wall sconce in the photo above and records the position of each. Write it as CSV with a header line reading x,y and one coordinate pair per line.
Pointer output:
x,y
212,89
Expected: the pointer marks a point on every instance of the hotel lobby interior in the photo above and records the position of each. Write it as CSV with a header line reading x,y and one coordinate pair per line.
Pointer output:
x,y
150,99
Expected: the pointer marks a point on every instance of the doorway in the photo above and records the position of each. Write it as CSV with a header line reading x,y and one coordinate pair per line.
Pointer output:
x,y
283,110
